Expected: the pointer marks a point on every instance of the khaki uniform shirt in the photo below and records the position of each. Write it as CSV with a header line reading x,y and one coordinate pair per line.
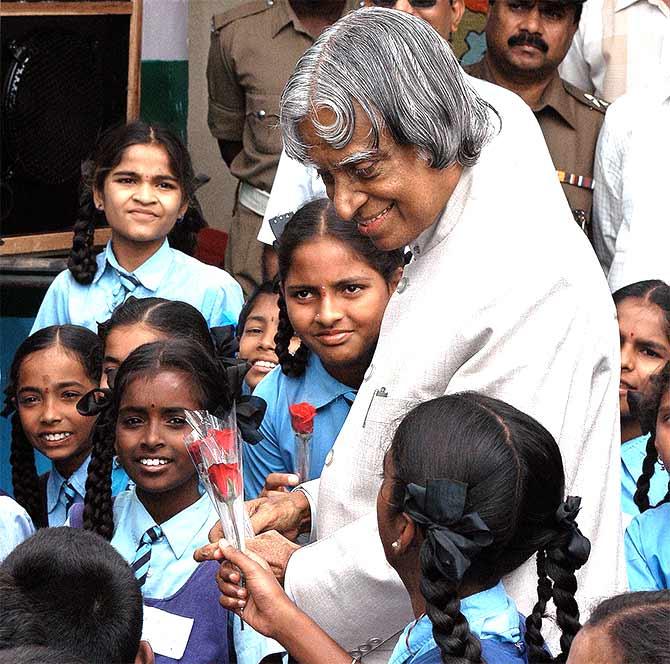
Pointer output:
x,y
253,51
570,120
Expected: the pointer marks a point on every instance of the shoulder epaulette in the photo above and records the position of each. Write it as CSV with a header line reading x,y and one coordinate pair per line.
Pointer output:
x,y
586,98
241,11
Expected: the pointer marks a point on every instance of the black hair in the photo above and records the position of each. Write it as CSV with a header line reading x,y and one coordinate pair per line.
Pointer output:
x,y
107,155
181,355
513,471
69,589
86,347
659,384
578,4
315,220
636,625
652,291
170,317
38,655
266,288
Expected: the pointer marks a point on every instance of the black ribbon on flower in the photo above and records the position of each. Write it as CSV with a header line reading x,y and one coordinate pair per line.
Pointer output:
x,y
578,545
94,402
453,538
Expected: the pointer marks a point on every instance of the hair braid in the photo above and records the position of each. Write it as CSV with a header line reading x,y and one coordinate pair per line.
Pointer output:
x,y
451,631
641,496
24,474
561,569
534,639
82,262
98,515
291,365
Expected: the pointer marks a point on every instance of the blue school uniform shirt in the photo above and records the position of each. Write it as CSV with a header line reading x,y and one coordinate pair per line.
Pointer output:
x,y
492,616
172,561
15,525
169,274
276,452
633,453
647,545
55,493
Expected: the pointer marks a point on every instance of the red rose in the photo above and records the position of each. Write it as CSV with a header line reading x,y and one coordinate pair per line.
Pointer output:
x,y
225,439
302,417
195,452
227,479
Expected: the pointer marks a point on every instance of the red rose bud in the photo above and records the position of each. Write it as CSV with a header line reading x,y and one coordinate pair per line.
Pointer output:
x,y
302,417
227,479
225,439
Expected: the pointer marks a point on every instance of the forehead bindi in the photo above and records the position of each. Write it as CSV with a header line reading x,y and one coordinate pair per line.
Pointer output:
x,y
146,161
62,368
165,390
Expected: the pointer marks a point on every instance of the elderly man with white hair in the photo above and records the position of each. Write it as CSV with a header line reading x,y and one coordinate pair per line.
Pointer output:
x,y
503,296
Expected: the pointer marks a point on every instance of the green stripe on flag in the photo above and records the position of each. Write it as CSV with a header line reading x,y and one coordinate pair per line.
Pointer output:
x,y
165,93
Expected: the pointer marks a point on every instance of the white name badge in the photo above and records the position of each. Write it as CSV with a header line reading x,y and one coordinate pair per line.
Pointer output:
x,y
167,633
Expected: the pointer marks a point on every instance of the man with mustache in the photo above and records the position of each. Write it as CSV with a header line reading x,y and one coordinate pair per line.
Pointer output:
x,y
526,42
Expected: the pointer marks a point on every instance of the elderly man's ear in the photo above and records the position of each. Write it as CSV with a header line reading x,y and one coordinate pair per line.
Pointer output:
x,y
145,654
457,11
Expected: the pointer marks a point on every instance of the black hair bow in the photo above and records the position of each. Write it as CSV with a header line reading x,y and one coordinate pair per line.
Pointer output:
x,y
578,545
452,537
94,402
226,343
249,413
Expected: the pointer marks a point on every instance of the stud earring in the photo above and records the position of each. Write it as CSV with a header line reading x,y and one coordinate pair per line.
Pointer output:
x,y
395,544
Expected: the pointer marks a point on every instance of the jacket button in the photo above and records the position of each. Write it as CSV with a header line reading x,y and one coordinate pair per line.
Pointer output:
x,y
329,457
261,114
374,642
402,284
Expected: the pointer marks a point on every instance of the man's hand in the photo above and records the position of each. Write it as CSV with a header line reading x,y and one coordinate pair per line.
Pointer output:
x,y
275,550
286,513
279,483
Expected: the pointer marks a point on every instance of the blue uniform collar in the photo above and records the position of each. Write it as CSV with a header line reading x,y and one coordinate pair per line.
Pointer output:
x,y
150,274
55,482
633,453
178,531
490,614
319,387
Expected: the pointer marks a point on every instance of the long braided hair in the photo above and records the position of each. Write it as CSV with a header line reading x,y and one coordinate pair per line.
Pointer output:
x,y
86,347
107,155
182,355
513,472
319,219
659,385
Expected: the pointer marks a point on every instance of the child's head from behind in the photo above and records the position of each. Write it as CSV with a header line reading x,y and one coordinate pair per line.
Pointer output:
x,y
52,369
335,285
141,181
643,312
144,422
654,416
473,466
631,628
70,590
140,321
257,328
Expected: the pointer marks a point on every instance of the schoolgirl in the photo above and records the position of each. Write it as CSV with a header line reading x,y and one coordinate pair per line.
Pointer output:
x,y
334,287
632,627
137,322
141,183
647,536
15,525
643,312
52,369
256,329
158,523
472,489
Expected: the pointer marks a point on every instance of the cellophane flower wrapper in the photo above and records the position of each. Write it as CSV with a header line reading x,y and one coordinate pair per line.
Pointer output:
x,y
215,447
302,421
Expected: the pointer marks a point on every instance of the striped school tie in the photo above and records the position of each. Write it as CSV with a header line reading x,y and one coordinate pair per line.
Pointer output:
x,y
142,559
70,495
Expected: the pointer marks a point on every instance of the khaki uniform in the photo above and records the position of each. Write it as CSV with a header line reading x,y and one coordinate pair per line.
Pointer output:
x,y
570,120
253,51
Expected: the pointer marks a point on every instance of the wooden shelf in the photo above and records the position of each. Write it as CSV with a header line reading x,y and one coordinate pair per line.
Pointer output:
x,y
65,8
28,244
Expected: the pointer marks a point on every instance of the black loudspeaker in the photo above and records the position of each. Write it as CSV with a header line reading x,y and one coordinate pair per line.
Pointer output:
x,y
65,79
